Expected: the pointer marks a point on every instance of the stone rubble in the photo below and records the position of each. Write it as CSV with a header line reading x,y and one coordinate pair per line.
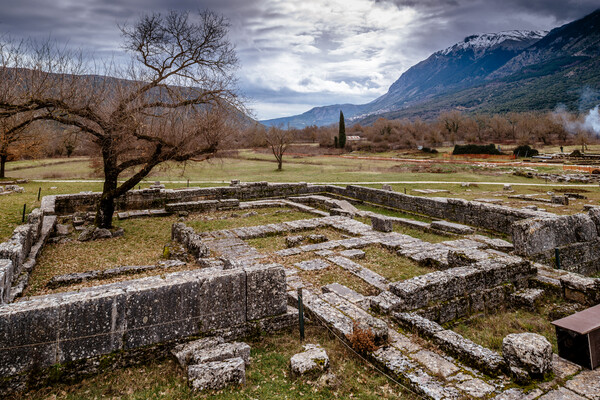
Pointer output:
x,y
312,361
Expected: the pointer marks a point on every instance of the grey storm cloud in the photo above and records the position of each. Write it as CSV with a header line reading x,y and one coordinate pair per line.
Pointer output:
x,y
296,55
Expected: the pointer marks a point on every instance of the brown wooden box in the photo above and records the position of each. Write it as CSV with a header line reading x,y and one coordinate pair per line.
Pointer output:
x,y
578,337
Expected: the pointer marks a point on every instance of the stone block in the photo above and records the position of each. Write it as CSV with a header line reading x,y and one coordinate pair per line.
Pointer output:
x,y
528,299
538,235
222,300
471,353
386,302
528,352
417,323
28,335
266,291
217,374
156,311
312,265
452,227
312,361
87,336
381,224
6,276
293,241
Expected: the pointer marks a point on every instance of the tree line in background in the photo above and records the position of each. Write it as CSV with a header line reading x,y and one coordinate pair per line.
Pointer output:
x,y
450,128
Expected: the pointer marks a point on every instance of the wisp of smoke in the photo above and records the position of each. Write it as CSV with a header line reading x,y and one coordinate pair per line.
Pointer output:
x,y
592,121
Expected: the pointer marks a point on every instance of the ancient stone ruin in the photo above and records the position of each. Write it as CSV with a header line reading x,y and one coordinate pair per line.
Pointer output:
x,y
226,289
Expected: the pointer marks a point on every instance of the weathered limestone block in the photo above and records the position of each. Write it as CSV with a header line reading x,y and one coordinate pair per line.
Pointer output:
x,y
217,374
210,349
382,224
452,227
356,253
293,241
386,302
581,289
313,361
527,352
473,354
417,323
6,276
346,293
266,291
564,200
528,299
312,265
315,238
537,235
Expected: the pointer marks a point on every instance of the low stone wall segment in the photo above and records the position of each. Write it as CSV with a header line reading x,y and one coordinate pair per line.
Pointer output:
x,y
65,327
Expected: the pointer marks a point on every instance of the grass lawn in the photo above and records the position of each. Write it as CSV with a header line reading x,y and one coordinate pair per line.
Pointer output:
x,y
267,377
490,330
392,267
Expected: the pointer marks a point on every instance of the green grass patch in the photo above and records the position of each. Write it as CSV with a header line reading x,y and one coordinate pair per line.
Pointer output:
x,y
333,274
490,330
267,377
392,267
273,243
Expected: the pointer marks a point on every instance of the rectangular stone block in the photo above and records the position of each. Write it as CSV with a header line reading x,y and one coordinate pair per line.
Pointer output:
x,y
6,275
222,300
91,325
157,311
28,335
266,291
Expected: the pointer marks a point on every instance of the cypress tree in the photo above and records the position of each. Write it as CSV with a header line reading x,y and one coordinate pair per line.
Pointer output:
x,y
342,135
335,142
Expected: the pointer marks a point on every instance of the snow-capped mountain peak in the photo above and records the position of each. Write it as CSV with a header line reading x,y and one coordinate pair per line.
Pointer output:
x,y
488,40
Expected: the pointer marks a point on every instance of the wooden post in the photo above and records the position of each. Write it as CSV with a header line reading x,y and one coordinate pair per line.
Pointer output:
x,y
557,257
301,313
24,210
39,193
188,183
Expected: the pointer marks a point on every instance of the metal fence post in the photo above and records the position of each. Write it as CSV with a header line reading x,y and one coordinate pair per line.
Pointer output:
x,y
301,313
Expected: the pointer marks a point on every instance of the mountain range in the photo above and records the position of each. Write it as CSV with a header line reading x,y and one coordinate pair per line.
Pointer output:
x,y
489,73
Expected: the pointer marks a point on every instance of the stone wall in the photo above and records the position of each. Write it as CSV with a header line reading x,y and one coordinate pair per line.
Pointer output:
x,y
65,327
482,215
158,198
15,251
474,283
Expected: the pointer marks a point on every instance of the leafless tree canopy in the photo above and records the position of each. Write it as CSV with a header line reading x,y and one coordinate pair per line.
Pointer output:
x,y
172,102
278,140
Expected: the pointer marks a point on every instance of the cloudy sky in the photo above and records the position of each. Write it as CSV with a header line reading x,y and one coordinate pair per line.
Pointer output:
x,y
297,54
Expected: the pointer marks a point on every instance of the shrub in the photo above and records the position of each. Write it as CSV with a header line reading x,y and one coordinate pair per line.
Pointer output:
x,y
525,151
429,150
475,149
362,340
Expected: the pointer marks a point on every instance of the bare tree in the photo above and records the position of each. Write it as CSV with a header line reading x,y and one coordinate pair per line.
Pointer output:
x,y
161,107
278,140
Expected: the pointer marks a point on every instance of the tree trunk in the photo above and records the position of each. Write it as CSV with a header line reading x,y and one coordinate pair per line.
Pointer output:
x,y
104,213
106,205
3,159
279,164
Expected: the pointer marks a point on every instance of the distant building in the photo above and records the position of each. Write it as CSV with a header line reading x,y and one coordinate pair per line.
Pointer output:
x,y
353,138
